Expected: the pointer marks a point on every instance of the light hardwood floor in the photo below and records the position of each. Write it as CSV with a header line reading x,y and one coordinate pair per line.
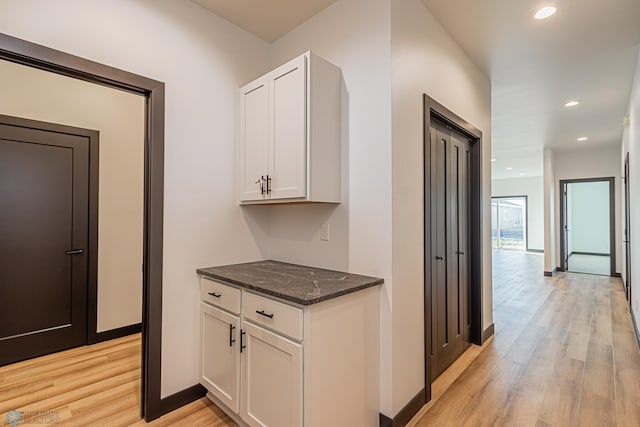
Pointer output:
x,y
564,354
95,385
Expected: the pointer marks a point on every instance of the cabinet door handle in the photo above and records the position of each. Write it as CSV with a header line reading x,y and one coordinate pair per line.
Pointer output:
x,y
213,294
261,182
262,313
268,186
459,253
231,340
74,252
242,346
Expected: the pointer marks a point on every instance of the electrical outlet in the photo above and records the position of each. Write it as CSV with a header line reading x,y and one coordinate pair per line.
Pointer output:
x,y
324,232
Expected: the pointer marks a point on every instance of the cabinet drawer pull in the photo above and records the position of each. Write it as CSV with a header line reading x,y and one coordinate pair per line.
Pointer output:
x,y
242,334
231,340
262,313
213,294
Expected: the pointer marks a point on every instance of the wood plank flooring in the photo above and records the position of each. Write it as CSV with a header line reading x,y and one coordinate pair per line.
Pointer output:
x,y
96,385
564,354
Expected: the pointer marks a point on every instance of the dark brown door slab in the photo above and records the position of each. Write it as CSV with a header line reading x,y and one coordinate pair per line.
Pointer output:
x,y
44,209
449,230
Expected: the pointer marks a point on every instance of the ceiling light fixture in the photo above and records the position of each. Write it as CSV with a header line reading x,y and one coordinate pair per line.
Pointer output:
x,y
509,168
572,103
582,138
545,12
493,160
521,174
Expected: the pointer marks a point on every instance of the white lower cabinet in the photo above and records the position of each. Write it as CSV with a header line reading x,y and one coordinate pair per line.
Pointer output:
x,y
220,370
266,362
271,379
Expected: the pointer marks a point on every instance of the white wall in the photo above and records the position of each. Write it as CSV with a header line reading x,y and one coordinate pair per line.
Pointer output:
x,y
119,117
587,163
631,145
426,60
203,60
354,35
532,187
589,212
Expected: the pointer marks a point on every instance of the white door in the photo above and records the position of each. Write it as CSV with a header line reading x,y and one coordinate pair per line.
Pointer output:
x,y
287,141
220,369
253,158
271,379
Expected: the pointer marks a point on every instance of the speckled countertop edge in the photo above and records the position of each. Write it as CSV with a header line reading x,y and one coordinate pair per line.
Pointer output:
x,y
341,285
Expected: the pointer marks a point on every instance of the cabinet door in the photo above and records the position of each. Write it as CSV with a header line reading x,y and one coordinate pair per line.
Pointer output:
x,y
288,135
253,155
220,369
271,379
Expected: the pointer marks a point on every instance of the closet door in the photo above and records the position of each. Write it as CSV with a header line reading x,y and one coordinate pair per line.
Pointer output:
x,y
449,232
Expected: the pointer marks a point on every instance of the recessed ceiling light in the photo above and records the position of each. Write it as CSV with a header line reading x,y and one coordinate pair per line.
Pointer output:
x,y
509,168
571,103
582,138
493,160
521,174
545,12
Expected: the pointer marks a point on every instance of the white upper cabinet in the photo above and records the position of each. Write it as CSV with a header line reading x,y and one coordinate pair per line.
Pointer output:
x,y
290,131
254,131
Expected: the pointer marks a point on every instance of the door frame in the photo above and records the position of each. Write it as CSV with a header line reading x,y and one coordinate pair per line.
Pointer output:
x,y
526,212
612,220
93,138
433,110
41,57
627,228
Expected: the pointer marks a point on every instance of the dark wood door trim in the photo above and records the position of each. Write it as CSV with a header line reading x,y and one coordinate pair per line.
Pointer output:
x,y
627,226
44,58
612,219
434,111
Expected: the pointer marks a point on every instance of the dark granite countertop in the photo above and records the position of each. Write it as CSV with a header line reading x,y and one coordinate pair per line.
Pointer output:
x,y
291,282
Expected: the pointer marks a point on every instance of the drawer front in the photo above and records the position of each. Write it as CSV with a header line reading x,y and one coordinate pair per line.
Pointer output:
x,y
274,315
223,296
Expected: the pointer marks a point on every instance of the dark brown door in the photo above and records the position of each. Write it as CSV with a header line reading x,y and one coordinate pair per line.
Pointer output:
x,y
44,184
449,245
627,228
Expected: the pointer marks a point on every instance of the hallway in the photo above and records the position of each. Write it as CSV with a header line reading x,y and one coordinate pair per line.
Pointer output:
x,y
564,354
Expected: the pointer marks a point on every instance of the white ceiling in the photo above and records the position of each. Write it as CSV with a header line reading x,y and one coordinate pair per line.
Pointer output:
x,y
267,19
586,51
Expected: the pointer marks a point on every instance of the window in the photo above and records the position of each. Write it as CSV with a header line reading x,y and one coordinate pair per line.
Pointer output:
x,y
509,223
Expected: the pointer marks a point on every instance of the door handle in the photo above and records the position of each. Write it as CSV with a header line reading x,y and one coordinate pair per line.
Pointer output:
x,y
74,252
262,313
261,182
459,253
231,340
439,258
